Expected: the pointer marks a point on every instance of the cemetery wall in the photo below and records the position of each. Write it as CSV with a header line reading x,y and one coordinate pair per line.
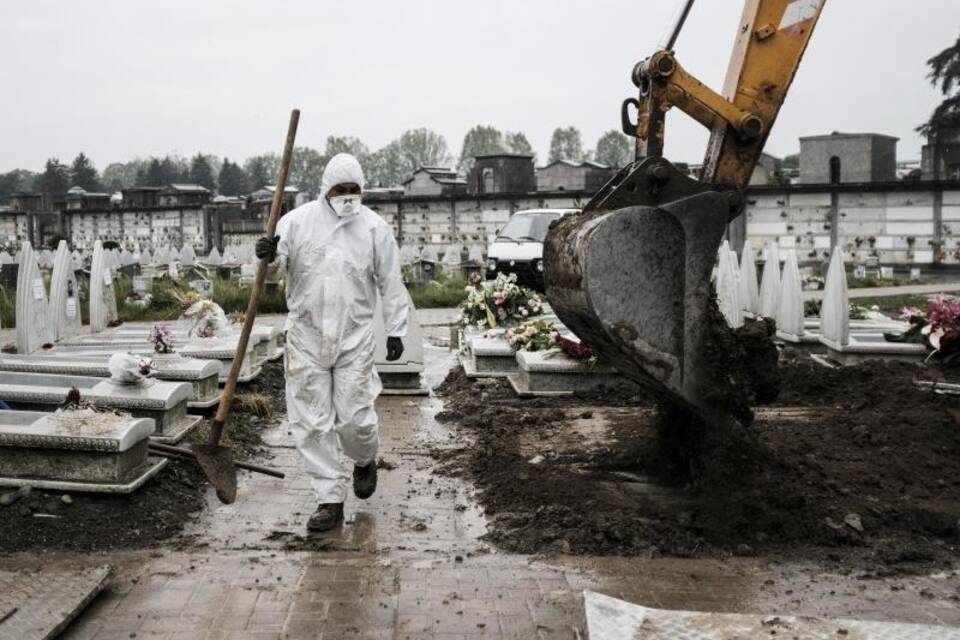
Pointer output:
x,y
463,219
896,222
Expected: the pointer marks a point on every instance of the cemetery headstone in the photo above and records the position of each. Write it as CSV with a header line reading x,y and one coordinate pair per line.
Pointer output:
x,y
103,301
34,328
790,319
770,283
64,295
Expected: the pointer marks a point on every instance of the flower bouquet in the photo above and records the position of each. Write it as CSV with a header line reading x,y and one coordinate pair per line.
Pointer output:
x,y
938,327
161,338
536,335
505,303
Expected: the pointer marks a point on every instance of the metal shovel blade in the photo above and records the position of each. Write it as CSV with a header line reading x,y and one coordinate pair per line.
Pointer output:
x,y
217,463
633,280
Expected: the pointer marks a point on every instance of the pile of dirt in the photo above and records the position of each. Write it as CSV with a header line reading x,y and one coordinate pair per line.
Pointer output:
x,y
856,466
46,520
153,514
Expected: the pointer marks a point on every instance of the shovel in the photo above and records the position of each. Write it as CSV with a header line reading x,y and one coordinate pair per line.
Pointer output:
x,y
215,459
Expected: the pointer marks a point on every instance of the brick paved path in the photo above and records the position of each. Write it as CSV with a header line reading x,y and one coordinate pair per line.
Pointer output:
x,y
408,564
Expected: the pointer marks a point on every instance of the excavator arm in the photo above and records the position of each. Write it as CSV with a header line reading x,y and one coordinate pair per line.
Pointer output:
x,y
771,40
630,275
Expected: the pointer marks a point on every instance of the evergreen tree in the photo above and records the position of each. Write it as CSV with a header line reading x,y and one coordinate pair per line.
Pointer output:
x,y
945,72
84,175
261,170
232,179
201,172
945,119
566,145
55,179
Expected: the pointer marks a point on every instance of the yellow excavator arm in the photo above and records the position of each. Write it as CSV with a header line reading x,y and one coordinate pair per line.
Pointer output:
x,y
630,274
771,40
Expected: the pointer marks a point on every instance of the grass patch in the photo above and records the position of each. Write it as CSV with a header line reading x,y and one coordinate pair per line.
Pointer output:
x,y
891,305
258,404
447,291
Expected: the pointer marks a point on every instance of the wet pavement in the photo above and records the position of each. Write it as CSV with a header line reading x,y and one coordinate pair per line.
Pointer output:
x,y
409,563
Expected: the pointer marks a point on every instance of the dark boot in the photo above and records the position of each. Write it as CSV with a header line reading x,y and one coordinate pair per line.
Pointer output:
x,y
327,517
365,480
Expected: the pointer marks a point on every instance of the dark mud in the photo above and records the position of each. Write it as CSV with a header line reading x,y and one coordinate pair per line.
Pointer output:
x,y
155,514
866,474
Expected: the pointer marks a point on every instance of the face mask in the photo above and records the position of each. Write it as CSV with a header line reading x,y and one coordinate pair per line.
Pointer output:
x,y
345,205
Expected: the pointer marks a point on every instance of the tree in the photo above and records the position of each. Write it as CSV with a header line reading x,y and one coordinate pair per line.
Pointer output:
x,y
945,72
84,175
566,145
480,140
346,144
306,170
423,148
16,181
232,179
517,143
120,175
55,179
150,174
261,170
614,149
945,119
385,167
174,169
201,172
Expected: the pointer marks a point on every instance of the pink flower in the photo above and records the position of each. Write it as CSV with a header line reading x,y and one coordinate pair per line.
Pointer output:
x,y
499,297
501,313
909,313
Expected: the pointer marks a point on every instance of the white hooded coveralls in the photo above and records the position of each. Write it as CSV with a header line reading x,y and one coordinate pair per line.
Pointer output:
x,y
334,268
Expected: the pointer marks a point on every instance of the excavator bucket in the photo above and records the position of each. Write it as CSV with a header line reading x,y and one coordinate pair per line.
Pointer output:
x,y
630,275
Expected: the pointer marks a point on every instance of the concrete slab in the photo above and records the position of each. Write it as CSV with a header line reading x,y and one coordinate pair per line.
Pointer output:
x,y
202,375
553,373
164,402
612,619
489,356
40,604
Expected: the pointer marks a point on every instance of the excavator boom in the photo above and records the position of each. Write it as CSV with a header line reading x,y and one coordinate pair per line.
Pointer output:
x,y
630,274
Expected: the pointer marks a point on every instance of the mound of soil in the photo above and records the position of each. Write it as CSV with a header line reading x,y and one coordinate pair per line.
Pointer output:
x,y
854,465
43,520
155,513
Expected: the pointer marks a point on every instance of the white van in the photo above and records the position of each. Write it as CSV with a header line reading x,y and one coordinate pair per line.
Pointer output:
x,y
519,246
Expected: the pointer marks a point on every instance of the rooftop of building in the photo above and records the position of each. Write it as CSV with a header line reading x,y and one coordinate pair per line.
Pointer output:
x,y
837,135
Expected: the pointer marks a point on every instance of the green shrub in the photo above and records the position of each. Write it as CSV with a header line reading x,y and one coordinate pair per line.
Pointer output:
x,y
447,291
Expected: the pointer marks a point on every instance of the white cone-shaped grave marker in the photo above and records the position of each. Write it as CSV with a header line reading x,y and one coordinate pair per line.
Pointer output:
x,y
33,313
770,284
64,295
103,301
835,311
728,291
187,255
790,310
214,257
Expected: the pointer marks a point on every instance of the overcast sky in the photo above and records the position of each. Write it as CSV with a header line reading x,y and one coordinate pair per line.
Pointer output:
x,y
125,78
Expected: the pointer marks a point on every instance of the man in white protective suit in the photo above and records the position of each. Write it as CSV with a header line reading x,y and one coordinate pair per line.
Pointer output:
x,y
337,256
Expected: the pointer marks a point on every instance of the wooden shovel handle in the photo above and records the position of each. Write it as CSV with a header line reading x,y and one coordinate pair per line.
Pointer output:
x,y
226,397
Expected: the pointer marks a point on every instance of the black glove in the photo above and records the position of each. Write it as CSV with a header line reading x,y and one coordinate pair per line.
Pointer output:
x,y
394,349
266,248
